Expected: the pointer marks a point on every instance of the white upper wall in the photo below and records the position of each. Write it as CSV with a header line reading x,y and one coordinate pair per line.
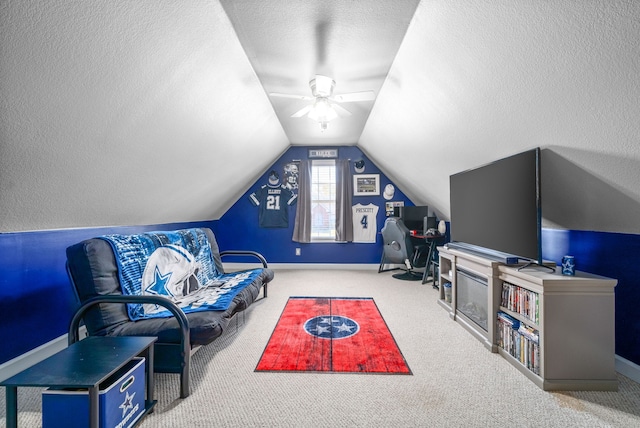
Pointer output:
x,y
145,112
475,81
126,112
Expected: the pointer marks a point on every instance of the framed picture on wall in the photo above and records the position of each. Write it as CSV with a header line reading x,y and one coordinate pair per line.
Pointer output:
x,y
323,153
366,184
389,207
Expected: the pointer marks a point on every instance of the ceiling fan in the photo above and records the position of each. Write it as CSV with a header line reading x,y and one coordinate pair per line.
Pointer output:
x,y
325,106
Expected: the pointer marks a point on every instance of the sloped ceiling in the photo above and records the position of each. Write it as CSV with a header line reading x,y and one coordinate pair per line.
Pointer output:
x,y
127,112
477,81
146,112
289,42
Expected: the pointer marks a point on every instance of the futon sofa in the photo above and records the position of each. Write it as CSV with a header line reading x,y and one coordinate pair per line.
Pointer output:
x,y
153,284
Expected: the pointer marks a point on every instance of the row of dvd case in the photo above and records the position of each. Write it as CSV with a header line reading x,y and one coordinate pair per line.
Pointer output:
x,y
521,301
519,340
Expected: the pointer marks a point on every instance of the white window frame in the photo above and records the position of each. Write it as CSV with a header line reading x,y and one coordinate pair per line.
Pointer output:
x,y
323,193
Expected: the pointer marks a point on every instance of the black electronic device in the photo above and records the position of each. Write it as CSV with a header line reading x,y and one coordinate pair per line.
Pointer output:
x,y
497,208
414,216
431,232
430,223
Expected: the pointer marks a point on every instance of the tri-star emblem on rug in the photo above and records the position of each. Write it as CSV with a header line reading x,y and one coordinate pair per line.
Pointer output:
x,y
332,334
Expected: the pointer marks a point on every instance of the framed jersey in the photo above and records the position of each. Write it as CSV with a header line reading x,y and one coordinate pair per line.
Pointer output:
x,y
365,224
273,203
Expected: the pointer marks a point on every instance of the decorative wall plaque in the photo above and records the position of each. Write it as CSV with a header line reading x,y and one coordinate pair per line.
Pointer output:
x,y
323,153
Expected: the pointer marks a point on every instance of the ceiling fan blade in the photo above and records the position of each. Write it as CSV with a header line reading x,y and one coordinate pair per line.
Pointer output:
x,y
355,97
302,111
342,112
295,97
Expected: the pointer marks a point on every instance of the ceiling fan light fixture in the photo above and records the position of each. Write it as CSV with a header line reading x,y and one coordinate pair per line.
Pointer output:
x,y
322,86
325,107
322,111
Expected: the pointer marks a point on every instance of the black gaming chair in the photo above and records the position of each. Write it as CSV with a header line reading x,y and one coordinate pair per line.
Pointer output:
x,y
399,247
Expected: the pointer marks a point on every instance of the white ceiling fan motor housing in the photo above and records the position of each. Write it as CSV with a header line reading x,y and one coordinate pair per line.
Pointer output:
x,y
322,86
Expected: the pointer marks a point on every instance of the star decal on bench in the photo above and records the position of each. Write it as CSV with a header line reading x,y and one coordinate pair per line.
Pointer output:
x,y
127,404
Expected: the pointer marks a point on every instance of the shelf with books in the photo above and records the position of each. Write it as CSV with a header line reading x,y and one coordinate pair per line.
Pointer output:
x,y
519,340
557,330
519,317
522,303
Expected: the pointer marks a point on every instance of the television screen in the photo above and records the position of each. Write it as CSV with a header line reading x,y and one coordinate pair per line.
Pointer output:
x,y
413,216
497,206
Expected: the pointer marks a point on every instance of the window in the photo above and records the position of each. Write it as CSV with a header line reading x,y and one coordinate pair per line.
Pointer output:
x,y
323,200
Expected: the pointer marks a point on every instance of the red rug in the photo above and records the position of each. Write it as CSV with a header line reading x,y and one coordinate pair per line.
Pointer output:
x,y
329,334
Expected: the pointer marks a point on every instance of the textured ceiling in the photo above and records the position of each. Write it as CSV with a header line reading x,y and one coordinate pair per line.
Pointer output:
x,y
143,112
353,42
475,81
126,113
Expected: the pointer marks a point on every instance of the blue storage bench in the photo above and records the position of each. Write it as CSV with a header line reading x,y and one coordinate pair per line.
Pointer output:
x,y
121,397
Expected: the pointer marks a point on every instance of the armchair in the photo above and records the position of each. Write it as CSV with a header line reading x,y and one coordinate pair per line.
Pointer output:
x,y
400,248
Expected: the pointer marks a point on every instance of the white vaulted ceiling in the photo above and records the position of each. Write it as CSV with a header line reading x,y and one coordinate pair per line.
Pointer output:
x,y
144,112
289,42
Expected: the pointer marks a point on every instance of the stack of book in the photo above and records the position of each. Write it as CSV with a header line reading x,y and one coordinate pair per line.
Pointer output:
x,y
522,301
519,340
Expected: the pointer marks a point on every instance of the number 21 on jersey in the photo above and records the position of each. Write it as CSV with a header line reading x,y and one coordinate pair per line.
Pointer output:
x,y
273,202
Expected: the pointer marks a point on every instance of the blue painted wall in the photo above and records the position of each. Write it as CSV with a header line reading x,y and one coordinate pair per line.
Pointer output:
x,y
239,228
614,255
36,298
37,302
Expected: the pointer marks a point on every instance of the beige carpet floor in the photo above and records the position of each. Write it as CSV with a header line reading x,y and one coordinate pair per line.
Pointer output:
x,y
456,381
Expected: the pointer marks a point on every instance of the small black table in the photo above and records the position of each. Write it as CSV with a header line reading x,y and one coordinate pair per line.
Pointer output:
x,y
432,241
84,364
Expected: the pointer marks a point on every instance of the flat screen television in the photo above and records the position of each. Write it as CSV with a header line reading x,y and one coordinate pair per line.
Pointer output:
x,y
496,209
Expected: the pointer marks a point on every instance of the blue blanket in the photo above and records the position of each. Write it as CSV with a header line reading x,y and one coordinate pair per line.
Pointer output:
x,y
177,265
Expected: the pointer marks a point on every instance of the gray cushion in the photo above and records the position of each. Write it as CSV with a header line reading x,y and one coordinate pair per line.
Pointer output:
x,y
94,271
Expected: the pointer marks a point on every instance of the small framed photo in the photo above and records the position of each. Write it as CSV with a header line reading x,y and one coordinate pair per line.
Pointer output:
x,y
366,185
389,207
